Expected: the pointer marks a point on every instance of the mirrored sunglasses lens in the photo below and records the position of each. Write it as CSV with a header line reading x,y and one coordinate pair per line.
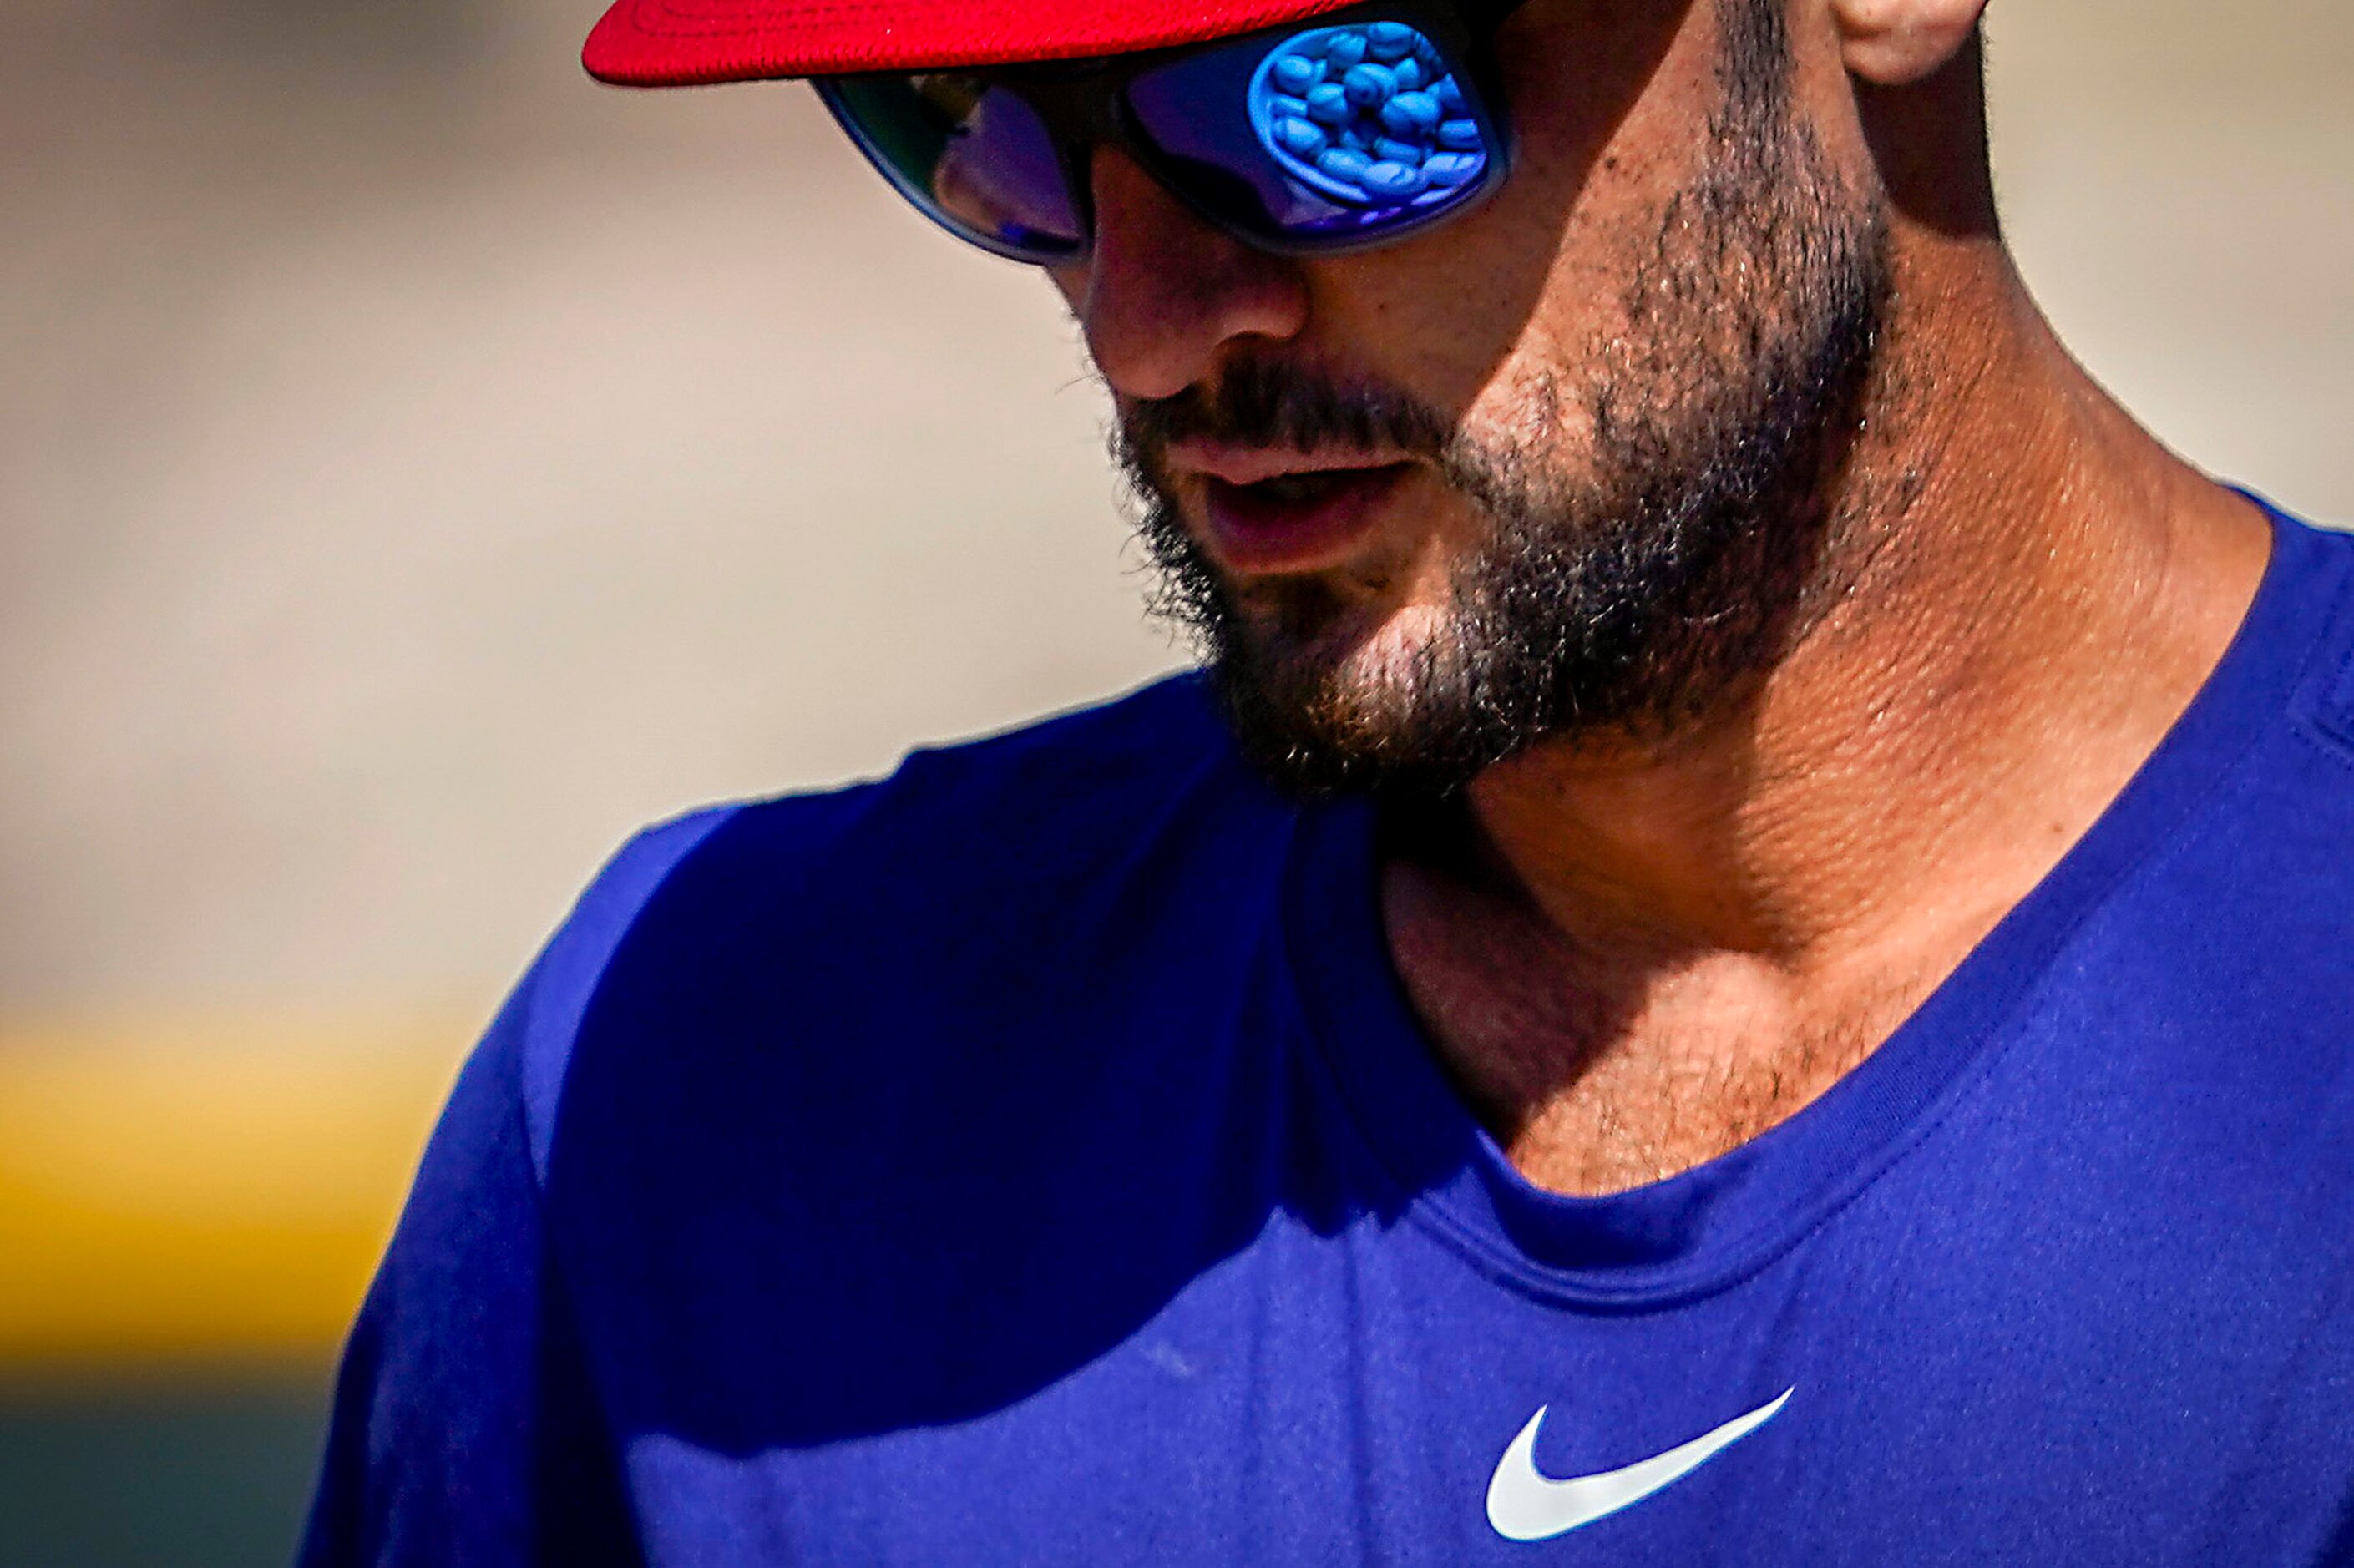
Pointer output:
x,y
972,154
1337,134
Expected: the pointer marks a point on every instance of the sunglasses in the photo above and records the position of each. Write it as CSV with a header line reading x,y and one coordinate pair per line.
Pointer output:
x,y
1374,123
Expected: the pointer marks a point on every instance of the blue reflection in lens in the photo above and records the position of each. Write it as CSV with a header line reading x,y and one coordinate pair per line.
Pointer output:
x,y
1381,132
1270,138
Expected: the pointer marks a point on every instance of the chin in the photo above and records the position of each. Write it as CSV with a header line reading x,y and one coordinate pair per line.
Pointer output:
x,y
1342,704
1360,652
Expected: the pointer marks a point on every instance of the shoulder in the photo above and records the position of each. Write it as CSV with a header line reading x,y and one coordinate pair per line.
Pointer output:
x,y
967,868
1002,823
2239,821
2323,561
2294,659
1008,807
2207,984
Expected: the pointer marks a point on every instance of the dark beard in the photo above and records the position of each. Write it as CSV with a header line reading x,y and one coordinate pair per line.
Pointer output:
x,y
1634,597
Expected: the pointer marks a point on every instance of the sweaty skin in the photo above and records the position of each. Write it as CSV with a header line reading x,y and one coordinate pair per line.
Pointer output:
x,y
1635,951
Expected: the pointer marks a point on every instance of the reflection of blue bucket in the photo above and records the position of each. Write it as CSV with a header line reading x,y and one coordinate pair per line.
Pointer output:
x,y
1368,115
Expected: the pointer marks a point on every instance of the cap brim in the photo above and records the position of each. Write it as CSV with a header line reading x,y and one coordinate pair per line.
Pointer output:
x,y
682,43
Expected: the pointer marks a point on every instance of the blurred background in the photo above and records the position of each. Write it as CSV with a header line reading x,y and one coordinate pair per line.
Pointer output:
x,y
418,468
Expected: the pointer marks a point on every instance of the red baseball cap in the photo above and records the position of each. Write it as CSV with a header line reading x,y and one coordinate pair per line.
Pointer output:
x,y
680,43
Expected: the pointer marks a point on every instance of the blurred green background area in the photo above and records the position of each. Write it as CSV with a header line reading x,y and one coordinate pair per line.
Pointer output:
x,y
418,468
156,1470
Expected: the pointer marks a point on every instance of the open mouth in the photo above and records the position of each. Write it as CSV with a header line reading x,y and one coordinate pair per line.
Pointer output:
x,y
1299,521
1301,489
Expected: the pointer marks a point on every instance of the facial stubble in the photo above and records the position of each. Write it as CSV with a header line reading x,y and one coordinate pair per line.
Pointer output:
x,y
1634,587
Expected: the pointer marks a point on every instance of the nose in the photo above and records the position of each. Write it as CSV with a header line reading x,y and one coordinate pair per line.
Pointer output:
x,y
1162,293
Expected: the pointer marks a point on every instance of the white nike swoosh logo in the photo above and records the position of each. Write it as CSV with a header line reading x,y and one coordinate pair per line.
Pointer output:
x,y
1525,1504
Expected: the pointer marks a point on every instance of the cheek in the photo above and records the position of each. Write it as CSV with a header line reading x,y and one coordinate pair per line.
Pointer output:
x,y
1533,286
1440,316
1601,190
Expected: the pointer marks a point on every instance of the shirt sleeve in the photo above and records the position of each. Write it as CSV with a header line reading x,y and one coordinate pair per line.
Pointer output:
x,y
466,1425
465,1429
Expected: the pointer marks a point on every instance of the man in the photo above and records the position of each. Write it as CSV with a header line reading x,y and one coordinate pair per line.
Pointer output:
x,y
1742,955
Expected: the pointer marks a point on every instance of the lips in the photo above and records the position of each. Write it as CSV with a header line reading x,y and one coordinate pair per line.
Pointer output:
x,y
1269,513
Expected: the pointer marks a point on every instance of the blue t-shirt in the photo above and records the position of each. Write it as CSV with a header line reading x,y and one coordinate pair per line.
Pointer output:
x,y
1030,1157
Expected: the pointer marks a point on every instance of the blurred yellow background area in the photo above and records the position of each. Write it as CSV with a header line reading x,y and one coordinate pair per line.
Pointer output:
x,y
419,468
203,1188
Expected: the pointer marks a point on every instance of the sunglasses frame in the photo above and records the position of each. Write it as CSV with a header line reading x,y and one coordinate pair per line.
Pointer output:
x,y
1084,105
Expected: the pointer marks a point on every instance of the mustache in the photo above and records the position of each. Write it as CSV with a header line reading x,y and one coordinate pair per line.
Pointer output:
x,y
1274,405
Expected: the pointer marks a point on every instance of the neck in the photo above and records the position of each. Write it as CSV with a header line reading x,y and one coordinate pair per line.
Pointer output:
x,y
2024,592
